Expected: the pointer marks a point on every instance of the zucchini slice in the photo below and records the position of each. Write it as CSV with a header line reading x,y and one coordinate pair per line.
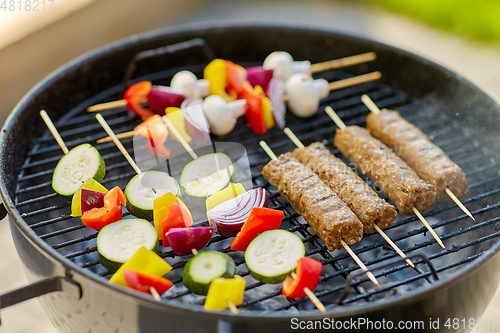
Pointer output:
x,y
143,189
273,255
119,241
79,164
204,267
206,175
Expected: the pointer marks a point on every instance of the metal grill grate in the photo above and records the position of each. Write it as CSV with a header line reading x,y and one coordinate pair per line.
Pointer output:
x,y
48,214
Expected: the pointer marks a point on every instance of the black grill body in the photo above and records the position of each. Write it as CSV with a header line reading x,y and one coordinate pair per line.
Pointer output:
x,y
460,118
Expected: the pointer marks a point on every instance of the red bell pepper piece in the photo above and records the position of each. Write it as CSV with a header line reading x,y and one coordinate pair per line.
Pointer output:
x,y
137,94
177,217
308,272
98,218
254,114
143,282
155,131
259,220
236,76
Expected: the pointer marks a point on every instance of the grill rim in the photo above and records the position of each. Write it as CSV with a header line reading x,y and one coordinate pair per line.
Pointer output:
x,y
199,28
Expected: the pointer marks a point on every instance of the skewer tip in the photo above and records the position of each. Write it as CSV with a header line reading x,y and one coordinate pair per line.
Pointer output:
x,y
428,226
459,203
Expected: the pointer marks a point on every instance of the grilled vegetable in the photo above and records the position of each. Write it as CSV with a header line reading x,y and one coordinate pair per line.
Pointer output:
x,y
178,217
91,199
228,217
76,202
143,189
224,195
161,213
79,164
259,220
119,241
143,261
187,83
223,290
308,272
184,240
97,218
258,76
273,255
215,73
144,282
207,175
204,267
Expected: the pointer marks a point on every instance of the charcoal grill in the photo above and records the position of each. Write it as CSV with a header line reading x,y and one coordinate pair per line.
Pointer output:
x,y
60,253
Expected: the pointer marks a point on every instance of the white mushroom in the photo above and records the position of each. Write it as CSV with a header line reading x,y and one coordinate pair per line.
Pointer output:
x,y
283,65
304,94
222,116
188,84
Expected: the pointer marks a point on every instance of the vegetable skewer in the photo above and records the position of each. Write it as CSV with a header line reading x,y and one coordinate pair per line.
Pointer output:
x,y
346,169
331,194
418,152
336,85
342,126
322,66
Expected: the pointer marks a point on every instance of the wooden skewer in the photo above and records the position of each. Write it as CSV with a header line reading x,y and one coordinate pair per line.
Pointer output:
x,y
459,203
343,62
427,225
299,144
120,136
117,142
352,81
179,137
54,131
154,293
271,154
394,246
360,263
341,125
315,300
374,108
106,106
233,308
194,251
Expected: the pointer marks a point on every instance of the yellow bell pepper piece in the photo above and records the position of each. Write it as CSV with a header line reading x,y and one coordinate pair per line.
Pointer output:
x,y
216,74
224,195
161,207
144,261
222,290
267,108
177,118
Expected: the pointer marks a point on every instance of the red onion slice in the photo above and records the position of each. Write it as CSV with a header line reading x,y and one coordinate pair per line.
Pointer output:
x,y
228,217
91,199
160,98
184,240
276,91
258,76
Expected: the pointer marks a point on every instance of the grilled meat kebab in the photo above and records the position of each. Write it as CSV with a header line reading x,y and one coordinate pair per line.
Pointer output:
x,y
322,209
414,147
389,172
352,190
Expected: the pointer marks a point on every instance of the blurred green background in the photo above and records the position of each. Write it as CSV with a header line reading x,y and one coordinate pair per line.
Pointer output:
x,y
475,19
